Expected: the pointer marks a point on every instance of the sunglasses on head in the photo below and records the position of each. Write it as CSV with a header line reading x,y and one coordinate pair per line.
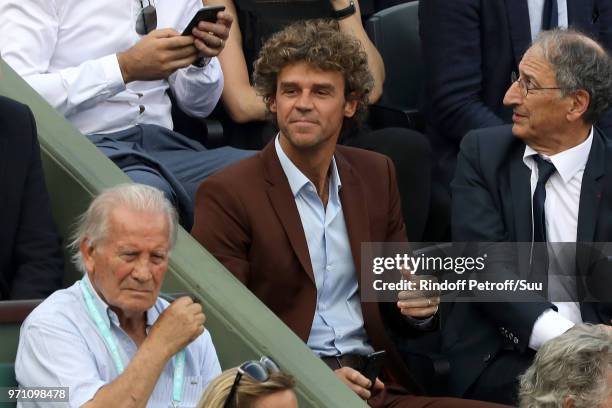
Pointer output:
x,y
258,370
147,19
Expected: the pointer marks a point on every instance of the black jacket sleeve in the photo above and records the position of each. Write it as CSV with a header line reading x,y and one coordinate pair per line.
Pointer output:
x,y
34,268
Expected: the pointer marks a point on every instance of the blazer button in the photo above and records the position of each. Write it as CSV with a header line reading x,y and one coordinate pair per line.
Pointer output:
x,y
487,357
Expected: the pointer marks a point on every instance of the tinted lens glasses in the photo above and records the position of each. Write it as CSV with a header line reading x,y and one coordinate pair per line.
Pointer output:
x,y
258,370
146,20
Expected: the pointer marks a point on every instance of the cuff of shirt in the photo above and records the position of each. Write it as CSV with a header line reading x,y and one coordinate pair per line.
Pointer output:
x,y
421,323
112,74
210,69
549,325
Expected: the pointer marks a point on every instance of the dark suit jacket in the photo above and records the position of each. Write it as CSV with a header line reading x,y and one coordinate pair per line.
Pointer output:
x,y
31,260
247,218
470,48
492,203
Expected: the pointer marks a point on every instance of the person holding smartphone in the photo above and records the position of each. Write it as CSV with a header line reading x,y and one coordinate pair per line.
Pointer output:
x,y
107,66
289,222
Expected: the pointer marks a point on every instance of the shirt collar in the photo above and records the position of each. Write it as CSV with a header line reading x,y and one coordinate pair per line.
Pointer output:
x,y
109,315
568,162
297,179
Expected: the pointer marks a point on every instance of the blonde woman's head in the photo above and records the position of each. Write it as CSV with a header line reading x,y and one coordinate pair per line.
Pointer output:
x,y
275,392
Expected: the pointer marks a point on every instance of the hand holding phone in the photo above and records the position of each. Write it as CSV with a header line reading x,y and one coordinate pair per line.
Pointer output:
x,y
207,13
373,365
209,40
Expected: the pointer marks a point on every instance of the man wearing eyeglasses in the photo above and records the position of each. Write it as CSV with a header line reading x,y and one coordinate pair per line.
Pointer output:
x,y
108,65
470,47
543,179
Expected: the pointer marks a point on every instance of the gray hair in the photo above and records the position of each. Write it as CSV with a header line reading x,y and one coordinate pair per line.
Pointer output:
x,y
580,63
574,365
93,224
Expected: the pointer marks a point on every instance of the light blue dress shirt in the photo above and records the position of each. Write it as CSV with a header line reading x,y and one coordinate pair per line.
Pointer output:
x,y
337,326
536,8
60,346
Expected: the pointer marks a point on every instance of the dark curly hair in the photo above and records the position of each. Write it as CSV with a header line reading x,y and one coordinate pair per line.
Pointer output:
x,y
319,43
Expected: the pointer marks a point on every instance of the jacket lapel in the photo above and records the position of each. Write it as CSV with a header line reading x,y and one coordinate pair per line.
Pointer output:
x,y
283,202
591,190
521,195
3,164
520,29
591,195
352,197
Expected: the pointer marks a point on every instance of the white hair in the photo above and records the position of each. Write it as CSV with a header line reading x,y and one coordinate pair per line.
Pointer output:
x,y
574,365
93,224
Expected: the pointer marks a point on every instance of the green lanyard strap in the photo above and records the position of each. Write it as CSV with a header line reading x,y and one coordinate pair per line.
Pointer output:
x,y
113,348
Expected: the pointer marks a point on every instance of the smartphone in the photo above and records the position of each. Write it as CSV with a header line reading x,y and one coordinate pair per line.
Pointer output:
x,y
206,13
373,365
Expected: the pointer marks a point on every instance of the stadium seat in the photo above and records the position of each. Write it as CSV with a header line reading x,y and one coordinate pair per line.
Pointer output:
x,y
7,375
241,326
207,131
7,379
395,33
12,313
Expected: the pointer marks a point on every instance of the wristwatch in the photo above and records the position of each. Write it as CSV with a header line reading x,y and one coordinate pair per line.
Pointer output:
x,y
345,12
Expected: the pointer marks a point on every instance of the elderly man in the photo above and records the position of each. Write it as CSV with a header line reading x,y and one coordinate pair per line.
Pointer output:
x,y
543,179
289,222
470,49
108,66
573,370
108,337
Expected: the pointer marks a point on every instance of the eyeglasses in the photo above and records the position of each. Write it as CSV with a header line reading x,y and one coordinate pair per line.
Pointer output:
x,y
258,370
523,86
147,19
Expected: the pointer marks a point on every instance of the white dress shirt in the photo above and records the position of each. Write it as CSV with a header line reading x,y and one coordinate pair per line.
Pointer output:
x,y
536,8
561,209
67,51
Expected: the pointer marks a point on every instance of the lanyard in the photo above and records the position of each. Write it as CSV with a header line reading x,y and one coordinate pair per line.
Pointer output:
x,y
111,343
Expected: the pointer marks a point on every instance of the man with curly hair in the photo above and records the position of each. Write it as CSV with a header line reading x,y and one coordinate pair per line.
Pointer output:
x,y
289,222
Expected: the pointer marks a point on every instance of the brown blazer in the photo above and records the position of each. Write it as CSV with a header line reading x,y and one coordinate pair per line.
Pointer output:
x,y
247,218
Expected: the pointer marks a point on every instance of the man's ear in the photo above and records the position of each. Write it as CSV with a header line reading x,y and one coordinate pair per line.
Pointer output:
x,y
580,102
272,102
350,105
87,252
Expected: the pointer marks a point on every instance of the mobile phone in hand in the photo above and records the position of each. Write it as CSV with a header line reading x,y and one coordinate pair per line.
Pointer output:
x,y
373,365
207,13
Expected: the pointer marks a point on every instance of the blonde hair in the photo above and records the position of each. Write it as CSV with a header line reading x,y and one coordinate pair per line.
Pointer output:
x,y
247,392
